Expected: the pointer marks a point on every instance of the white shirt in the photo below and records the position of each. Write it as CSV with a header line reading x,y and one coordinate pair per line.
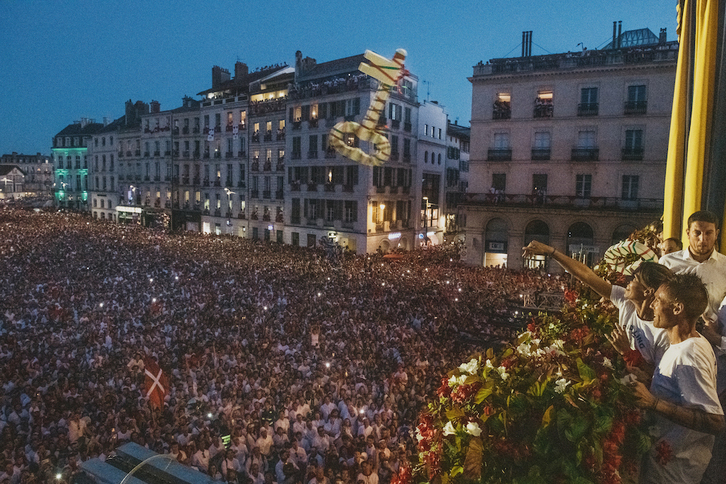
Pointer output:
x,y
712,272
686,376
643,336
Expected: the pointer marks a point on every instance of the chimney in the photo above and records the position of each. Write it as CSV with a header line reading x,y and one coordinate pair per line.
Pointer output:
x,y
240,69
620,32
662,38
155,107
219,76
105,121
527,43
615,34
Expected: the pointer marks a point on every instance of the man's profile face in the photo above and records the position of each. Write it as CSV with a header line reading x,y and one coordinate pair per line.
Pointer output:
x,y
668,246
702,238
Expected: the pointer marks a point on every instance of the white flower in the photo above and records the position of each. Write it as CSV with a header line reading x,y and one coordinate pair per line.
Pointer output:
x,y
473,429
524,350
561,385
471,368
449,429
503,372
489,364
453,381
419,437
607,363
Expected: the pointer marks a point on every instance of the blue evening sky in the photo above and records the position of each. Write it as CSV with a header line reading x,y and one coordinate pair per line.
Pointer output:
x,y
64,60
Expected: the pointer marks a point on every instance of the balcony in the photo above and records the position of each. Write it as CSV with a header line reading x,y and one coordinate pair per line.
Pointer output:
x,y
499,154
313,123
146,154
266,194
379,227
280,134
588,109
267,166
196,155
266,217
295,185
280,166
254,216
205,183
241,215
279,218
635,107
296,125
380,189
176,130
242,126
394,155
137,153
217,182
241,154
406,158
229,128
268,136
255,165
186,154
312,155
168,153
255,193
185,130
329,187
585,154
206,155
147,178
541,154
120,154
217,154
407,127
502,110
406,190
228,183
157,178
128,153
197,181
185,180
296,155
279,195
543,109
632,154
241,184
217,213
157,153
256,137
195,130
395,124
229,154
330,153
654,205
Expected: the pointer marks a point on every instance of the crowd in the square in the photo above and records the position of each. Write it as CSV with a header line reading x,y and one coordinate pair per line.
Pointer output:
x,y
315,371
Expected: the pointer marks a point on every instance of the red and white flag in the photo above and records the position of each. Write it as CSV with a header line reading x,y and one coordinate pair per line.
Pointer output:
x,y
156,383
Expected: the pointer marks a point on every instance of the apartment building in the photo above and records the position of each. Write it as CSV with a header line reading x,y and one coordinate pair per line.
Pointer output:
x,y
569,149
70,159
37,170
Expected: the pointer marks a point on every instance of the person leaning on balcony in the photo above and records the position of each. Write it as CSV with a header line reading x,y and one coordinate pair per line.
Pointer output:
x,y
632,301
682,394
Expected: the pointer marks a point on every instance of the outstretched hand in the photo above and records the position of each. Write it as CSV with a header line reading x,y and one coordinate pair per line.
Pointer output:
x,y
536,248
619,339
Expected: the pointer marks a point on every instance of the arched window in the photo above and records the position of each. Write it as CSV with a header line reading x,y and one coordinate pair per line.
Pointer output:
x,y
426,156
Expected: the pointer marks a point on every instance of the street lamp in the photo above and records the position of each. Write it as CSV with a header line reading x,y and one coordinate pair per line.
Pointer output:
x,y
229,205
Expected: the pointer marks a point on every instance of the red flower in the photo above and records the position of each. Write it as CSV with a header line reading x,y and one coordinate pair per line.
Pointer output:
x,y
633,358
464,392
532,327
444,390
570,297
664,452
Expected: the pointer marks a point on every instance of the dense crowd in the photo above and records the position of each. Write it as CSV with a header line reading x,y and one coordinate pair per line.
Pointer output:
x,y
315,371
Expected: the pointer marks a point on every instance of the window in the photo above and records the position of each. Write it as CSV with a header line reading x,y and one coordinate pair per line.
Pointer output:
x,y
395,111
543,105
633,149
586,139
501,141
583,184
539,183
636,103
588,102
502,106
352,107
351,211
630,187
542,145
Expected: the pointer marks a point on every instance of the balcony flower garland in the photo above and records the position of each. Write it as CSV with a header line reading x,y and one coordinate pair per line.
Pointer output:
x,y
548,408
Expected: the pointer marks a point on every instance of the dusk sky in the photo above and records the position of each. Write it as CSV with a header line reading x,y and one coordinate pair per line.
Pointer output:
x,y
62,61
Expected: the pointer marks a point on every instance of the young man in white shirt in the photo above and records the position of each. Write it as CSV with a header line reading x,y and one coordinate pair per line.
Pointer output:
x,y
633,301
683,390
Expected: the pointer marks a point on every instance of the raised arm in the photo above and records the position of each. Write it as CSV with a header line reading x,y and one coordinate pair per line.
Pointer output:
x,y
574,267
